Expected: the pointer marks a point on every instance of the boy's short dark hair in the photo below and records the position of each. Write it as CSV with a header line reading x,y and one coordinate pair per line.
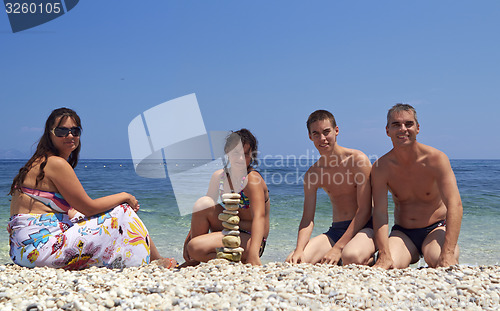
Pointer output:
x,y
319,115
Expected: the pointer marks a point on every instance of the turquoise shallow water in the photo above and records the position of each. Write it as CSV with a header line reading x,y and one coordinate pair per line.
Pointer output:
x,y
478,181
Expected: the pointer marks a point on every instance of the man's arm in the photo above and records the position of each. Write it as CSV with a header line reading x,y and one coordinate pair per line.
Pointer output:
x,y
451,198
363,212
307,222
380,217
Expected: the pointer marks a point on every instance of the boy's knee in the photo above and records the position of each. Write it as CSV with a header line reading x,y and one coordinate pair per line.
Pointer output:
x,y
431,260
353,256
401,261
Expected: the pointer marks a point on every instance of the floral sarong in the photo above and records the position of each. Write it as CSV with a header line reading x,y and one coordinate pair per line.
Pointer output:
x,y
114,239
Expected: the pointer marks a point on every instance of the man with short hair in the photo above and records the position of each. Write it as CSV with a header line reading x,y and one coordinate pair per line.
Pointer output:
x,y
427,205
344,175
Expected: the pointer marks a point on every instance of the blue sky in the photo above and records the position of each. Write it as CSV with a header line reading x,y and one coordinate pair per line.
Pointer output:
x,y
263,65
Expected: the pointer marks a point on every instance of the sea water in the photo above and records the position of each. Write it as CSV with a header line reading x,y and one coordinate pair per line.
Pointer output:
x,y
478,182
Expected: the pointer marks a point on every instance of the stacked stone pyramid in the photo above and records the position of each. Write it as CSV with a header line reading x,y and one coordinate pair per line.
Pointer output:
x,y
230,221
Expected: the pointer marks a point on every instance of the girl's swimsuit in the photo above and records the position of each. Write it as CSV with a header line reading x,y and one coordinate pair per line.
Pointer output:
x,y
244,200
116,238
262,244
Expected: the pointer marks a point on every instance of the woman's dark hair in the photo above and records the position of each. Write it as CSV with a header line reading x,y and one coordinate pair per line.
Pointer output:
x,y
246,137
46,147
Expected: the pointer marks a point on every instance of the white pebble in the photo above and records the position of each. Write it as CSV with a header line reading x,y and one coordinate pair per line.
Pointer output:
x,y
219,284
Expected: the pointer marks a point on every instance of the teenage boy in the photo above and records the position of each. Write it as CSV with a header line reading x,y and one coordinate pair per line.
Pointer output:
x,y
344,174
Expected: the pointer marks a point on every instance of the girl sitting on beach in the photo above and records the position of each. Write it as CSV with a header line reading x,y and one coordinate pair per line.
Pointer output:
x,y
54,223
206,228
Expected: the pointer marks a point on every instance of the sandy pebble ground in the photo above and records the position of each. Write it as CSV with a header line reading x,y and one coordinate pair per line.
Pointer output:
x,y
220,285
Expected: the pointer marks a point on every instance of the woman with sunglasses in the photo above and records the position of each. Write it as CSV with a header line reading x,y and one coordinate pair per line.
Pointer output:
x,y
54,223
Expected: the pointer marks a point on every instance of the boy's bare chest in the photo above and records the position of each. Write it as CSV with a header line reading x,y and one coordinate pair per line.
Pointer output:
x,y
335,180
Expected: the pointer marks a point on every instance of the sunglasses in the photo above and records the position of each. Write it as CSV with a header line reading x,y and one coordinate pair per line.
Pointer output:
x,y
64,131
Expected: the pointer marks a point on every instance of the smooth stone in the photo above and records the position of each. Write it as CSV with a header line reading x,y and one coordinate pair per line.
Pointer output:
x,y
231,241
230,232
230,212
232,219
231,195
109,303
231,207
68,306
229,256
230,226
232,249
231,201
33,307
90,298
50,303
285,295
430,296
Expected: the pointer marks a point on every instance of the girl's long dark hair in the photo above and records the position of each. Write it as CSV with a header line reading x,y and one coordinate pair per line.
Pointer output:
x,y
46,147
246,137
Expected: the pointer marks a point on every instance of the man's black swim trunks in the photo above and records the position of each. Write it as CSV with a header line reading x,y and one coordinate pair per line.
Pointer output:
x,y
418,235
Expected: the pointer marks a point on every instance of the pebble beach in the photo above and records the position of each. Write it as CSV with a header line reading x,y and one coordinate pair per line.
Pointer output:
x,y
222,285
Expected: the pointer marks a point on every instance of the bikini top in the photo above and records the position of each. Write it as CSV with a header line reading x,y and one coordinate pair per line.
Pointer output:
x,y
244,200
51,199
